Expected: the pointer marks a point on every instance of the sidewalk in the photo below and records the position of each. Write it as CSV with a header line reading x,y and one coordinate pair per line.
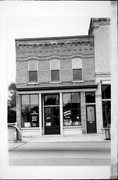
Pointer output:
x,y
78,138
93,138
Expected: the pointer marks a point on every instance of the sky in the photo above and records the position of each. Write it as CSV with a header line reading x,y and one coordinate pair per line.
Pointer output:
x,y
52,19
40,27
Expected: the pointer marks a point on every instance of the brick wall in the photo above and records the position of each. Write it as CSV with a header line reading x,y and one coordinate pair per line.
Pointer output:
x,y
102,47
63,49
21,72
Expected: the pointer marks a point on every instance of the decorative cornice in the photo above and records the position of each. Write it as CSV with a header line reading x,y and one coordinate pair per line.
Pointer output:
x,y
54,42
96,22
103,74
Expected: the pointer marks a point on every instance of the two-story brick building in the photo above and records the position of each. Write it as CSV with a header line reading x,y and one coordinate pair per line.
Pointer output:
x,y
63,83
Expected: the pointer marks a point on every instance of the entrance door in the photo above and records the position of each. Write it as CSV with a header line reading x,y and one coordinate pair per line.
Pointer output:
x,y
51,120
91,121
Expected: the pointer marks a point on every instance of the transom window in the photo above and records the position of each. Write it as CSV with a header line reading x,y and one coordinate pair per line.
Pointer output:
x,y
90,97
51,99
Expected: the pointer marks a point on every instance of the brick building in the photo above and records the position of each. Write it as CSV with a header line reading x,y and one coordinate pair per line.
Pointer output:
x,y
63,83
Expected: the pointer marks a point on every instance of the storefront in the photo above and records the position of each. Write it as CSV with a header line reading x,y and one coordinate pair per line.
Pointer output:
x,y
70,111
63,83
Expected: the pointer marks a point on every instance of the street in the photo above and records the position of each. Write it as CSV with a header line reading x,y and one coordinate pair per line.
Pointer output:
x,y
60,153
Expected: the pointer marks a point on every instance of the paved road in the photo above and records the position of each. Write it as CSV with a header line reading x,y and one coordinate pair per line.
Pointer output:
x,y
60,153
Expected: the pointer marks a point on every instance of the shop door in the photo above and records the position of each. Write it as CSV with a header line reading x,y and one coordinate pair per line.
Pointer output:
x,y
91,121
51,120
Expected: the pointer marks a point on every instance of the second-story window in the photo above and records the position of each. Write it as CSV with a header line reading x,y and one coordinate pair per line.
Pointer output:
x,y
55,70
77,69
33,70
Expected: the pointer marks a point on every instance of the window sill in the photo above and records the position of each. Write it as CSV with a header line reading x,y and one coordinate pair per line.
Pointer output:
x,y
78,81
57,82
32,83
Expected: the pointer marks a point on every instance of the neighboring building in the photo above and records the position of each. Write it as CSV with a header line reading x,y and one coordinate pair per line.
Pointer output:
x,y
63,83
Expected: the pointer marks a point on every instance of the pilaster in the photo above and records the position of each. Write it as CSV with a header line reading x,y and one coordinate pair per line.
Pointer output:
x,y
40,114
83,113
18,110
61,114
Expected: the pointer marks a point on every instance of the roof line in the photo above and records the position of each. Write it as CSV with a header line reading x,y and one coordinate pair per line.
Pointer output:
x,y
54,38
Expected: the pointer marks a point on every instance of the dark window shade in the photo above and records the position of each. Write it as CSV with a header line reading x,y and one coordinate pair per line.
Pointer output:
x,y
32,76
54,75
77,74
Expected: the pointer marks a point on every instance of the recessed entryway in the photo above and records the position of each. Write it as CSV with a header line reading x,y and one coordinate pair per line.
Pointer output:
x,y
51,114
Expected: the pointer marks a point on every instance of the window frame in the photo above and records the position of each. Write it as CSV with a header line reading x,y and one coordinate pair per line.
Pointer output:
x,y
29,107
36,77
105,100
94,97
77,80
72,109
34,70
55,66
54,81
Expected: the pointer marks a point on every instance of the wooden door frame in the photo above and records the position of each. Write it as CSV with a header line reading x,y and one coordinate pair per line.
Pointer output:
x,y
49,106
93,105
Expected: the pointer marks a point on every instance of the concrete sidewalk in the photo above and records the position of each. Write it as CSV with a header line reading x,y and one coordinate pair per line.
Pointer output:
x,y
79,138
55,139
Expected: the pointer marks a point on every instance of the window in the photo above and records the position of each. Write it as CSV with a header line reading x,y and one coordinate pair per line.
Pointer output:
x,y
33,70
55,70
30,111
52,99
32,76
90,97
77,69
106,104
77,74
106,91
71,109
106,107
54,75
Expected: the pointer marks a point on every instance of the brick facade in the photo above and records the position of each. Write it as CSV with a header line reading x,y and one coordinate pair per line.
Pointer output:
x,y
92,49
64,49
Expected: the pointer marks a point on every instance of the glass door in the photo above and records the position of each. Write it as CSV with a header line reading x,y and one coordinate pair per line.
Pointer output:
x,y
51,114
91,121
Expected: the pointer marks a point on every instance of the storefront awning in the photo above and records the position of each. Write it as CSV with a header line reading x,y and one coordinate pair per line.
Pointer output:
x,y
58,87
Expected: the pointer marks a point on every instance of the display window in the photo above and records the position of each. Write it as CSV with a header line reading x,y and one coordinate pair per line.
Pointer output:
x,y
106,104
30,111
71,109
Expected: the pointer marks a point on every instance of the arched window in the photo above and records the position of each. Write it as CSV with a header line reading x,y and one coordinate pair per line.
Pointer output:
x,y
77,69
55,70
33,70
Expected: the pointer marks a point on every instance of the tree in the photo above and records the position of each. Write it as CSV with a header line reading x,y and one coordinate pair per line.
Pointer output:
x,y
12,103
